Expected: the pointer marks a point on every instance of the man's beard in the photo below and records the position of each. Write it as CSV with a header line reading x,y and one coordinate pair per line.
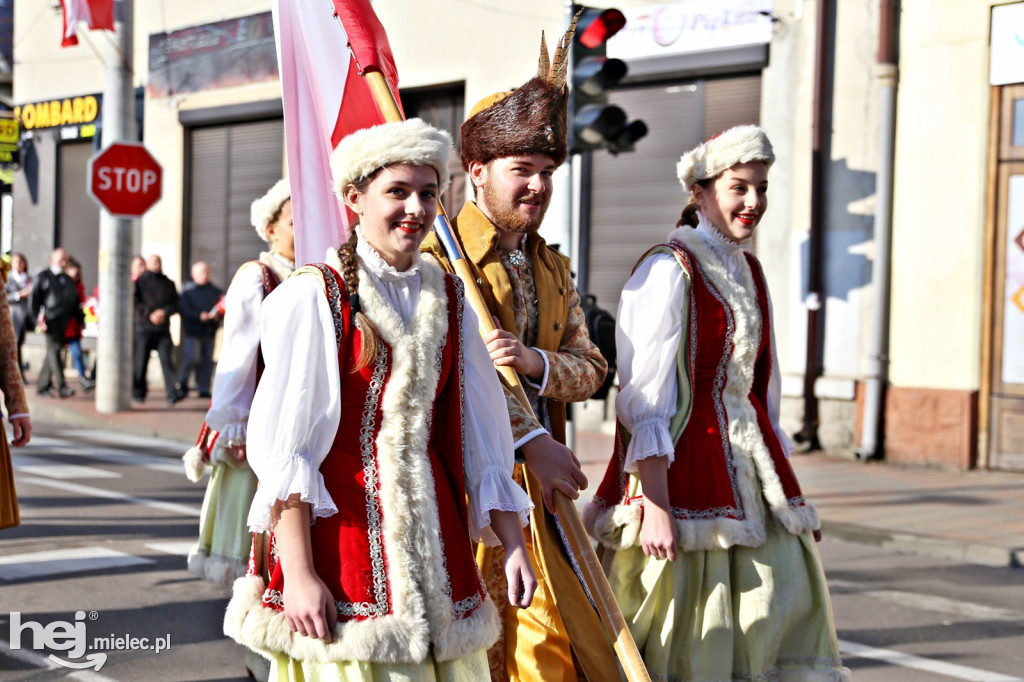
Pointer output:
x,y
504,215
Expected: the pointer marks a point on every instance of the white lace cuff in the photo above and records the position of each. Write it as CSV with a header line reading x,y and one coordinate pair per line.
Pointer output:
x,y
495,491
231,434
650,438
293,475
230,423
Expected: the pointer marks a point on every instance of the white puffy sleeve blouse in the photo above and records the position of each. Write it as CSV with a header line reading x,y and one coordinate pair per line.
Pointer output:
x,y
235,380
296,411
647,347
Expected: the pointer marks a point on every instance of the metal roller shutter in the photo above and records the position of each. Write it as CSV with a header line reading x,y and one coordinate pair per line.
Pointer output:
x,y
79,218
229,167
636,199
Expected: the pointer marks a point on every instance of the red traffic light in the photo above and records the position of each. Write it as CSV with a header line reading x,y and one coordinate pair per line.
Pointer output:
x,y
601,28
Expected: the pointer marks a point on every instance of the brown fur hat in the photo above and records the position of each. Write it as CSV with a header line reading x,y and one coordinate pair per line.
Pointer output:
x,y
530,120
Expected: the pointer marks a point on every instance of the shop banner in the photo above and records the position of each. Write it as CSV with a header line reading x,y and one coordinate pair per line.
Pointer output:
x,y
692,26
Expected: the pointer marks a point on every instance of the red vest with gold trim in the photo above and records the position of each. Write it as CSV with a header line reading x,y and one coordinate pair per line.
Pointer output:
x,y
718,484
398,562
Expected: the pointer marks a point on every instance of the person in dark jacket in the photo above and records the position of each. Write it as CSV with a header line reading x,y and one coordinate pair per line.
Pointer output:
x,y
55,296
200,317
156,300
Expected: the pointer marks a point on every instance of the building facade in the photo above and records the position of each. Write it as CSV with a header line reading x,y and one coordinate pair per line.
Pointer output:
x,y
210,112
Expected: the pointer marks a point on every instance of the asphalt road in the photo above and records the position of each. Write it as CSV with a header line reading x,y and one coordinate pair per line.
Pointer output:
x,y
108,519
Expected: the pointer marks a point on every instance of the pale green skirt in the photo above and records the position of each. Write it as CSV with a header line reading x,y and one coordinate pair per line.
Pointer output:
x,y
222,552
744,613
471,668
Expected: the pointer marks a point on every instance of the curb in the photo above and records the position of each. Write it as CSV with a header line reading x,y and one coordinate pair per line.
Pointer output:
x,y
44,412
947,548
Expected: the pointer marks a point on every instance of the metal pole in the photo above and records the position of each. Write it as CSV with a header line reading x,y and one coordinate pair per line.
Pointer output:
x,y
573,228
809,433
583,246
878,353
114,361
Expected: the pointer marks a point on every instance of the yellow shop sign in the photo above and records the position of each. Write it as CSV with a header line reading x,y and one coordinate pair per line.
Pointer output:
x,y
58,112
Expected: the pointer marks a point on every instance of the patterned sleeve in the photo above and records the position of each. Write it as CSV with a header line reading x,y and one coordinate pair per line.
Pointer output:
x,y
10,373
577,369
524,424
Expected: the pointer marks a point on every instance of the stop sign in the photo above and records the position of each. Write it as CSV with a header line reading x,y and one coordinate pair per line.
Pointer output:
x,y
125,179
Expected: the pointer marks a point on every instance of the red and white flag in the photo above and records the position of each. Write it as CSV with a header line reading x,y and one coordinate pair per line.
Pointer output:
x,y
325,99
96,14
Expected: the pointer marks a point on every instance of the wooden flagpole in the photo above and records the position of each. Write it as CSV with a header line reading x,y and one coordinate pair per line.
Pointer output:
x,y
579,541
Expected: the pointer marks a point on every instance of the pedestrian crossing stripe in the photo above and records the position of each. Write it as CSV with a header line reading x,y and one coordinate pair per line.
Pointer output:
x,y
175,548
90,491
62,561
41,466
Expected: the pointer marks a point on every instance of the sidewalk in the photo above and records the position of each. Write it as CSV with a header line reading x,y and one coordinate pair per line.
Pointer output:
x,y
975,516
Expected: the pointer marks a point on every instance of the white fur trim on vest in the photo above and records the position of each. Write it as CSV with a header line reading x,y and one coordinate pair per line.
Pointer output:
x,y
422,619
619,526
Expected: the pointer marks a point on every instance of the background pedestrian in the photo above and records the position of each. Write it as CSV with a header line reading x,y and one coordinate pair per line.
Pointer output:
x,y
156,300
19,293
200,319
73,335
55,303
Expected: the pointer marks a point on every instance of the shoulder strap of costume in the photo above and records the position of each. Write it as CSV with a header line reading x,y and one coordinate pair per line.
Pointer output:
x,y
337,296
268,276
682,254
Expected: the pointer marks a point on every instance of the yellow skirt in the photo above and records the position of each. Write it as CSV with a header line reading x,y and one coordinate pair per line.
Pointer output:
x,y
740,613
471,668
9,515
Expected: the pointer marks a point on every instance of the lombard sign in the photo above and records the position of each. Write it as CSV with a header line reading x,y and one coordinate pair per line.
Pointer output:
x,y
9,135
76,113
692,26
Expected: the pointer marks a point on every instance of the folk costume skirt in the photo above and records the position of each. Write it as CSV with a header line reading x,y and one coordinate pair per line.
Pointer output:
x,y
222,552
471,668
743,613
9,514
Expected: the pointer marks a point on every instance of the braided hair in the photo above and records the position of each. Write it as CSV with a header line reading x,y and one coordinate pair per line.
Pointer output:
x,y
350,273
689,216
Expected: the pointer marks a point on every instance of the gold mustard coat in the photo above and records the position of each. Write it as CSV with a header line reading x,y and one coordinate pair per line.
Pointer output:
x,y
576,369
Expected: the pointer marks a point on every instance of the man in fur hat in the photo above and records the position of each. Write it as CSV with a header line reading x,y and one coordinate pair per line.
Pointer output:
x,y
511,145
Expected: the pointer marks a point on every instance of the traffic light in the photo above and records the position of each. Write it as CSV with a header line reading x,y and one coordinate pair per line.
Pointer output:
x,y
593,122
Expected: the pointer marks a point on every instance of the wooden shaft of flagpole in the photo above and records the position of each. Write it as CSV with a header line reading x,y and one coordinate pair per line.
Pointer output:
x,y
590,565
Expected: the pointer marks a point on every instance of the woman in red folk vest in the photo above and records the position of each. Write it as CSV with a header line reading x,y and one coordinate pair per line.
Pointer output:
x,y
716,568
221,553
378,412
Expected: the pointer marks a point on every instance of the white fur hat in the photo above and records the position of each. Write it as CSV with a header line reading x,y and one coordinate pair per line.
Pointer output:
x,y
413,141
710,159
266,207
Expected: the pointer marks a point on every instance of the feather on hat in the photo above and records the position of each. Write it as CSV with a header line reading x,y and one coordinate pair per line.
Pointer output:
x,y
532,119
413,141
740,144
